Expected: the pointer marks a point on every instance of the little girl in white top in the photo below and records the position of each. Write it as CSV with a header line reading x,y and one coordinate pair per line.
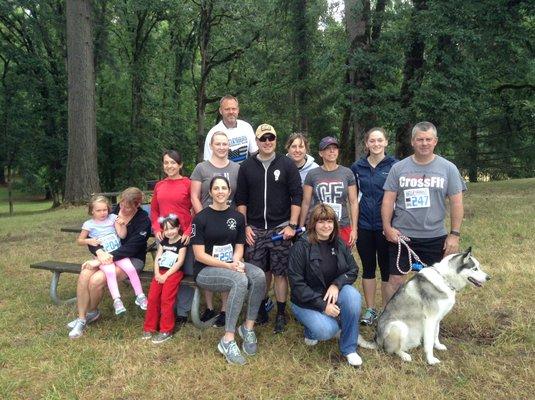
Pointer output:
x,y
105,230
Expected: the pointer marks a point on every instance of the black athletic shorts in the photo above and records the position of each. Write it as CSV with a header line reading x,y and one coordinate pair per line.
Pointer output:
x,y
430,251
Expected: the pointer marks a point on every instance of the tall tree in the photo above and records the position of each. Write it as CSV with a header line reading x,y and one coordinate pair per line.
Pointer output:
x,y
413,74
363,28
82,170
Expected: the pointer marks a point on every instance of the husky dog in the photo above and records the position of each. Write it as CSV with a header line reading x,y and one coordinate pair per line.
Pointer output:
x,y
416,309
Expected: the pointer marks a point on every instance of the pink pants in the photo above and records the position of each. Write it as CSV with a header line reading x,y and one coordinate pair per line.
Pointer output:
x,y
111,277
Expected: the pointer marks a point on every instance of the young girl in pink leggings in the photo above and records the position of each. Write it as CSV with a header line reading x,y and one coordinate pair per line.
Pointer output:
x,y
105,230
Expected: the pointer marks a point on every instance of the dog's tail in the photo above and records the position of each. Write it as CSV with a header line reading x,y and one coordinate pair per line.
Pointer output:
x,y
367,345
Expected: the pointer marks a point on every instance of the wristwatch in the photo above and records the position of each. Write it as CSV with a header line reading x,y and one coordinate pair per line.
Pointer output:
x,y
293,226
455,233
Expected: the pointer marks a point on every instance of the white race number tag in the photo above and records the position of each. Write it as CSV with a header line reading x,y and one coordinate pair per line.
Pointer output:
x,y
167,259
417,198
110,242
337,209
223,253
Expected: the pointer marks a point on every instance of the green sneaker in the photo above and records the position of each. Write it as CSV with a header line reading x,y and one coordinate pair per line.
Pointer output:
x,y
231,351
369,317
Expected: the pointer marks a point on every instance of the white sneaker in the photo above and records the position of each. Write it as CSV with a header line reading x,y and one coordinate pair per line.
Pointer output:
x,y
310,342
118,306
90,317
141,301
78,329
354,359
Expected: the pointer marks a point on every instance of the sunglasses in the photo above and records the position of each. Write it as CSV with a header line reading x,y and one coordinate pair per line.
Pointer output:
x,y
265,138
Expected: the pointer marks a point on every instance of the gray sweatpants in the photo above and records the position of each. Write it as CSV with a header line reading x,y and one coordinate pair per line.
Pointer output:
x,y
237,284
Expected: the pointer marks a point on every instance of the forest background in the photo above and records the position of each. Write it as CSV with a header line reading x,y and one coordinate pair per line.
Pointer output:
x,y
157,70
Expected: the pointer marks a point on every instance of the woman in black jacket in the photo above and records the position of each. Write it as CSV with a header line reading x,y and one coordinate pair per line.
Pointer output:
x,y
321,274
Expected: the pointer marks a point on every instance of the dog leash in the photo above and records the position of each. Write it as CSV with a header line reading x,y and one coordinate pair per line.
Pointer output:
x,y
418,265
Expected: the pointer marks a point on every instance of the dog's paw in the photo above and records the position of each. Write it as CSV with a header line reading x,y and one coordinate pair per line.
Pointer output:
x,y
433,361
440,346
405,356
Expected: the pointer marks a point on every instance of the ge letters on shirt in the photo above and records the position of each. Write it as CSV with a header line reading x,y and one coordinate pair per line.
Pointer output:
x,y
421,195
331,188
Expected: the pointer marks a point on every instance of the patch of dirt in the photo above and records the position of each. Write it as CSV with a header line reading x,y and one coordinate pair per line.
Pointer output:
x,y
484,335
16,238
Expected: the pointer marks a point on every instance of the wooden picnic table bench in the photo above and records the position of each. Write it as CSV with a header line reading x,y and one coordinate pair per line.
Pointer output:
x,y
59,267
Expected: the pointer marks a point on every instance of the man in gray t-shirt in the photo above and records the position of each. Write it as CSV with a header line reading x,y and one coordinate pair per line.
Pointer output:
x,y
419,186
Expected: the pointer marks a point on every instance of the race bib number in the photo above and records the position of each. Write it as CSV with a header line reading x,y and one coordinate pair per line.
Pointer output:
x,y
417,198
167,259
337,209
110,242
223,253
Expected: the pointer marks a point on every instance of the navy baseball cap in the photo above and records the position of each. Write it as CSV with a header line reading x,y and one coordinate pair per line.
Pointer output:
x,y
328,140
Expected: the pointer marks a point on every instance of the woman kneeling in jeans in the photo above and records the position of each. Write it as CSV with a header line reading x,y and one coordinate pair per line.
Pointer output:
x,y
321,274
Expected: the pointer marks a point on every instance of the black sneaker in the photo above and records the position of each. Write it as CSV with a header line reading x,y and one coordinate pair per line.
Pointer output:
x,y
280,323
262,317
180,320
220,320
207,315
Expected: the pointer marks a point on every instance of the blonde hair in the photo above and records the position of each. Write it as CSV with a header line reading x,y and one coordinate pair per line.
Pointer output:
x,y
98,199
132,195
321,212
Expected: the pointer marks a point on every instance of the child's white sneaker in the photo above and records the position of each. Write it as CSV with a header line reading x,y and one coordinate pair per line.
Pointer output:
x,y
141,301
310,342
118,306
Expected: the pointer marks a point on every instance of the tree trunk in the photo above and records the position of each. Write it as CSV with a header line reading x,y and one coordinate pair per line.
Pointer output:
x,y
412,79
358,26
9,190
82,171
302,36
473,155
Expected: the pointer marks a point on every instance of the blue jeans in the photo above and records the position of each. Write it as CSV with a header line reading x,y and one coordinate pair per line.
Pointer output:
x,y
320,326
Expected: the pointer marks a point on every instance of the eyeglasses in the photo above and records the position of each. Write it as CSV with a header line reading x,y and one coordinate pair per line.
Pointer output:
x,y
265,138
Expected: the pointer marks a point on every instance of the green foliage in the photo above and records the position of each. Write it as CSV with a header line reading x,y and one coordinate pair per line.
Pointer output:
x,y
286,61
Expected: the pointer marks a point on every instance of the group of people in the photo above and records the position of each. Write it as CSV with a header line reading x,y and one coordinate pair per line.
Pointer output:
x,y
234,224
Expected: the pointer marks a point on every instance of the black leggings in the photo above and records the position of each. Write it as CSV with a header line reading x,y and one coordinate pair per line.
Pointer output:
x,y
373,248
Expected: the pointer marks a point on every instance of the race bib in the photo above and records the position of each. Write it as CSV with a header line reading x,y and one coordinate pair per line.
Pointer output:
x,y
417,198
223,253
110,242
167,259
337,209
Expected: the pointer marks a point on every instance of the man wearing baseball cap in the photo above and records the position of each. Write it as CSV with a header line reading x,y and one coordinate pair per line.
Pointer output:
x,y
269,195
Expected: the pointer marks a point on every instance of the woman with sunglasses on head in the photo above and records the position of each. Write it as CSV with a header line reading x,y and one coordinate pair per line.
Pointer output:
x,y
321,273
218,243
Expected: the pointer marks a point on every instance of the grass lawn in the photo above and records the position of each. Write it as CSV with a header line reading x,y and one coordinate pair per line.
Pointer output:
x,y
489,334
23,204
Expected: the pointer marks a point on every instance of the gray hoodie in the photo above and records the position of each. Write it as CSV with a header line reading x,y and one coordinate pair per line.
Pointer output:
x,y
308,166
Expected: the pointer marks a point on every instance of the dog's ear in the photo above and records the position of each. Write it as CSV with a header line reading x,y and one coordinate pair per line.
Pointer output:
x,y
467,254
